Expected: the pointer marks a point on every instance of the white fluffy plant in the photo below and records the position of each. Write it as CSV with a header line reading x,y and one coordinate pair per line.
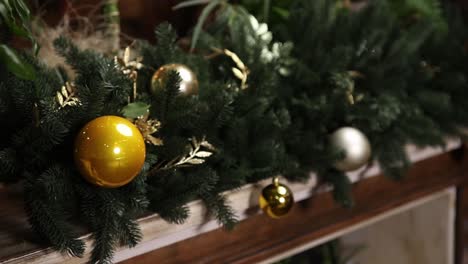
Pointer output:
x,y
99,32
256,34
270,51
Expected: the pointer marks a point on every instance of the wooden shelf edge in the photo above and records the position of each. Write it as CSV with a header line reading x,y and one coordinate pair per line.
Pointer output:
x,y
258,238
449,191
246,198
158,233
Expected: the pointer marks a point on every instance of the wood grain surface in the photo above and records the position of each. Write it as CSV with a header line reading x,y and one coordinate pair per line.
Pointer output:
x,y
259,237
373,195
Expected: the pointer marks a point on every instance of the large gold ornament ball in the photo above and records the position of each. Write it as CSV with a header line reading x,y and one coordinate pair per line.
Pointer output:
x,y
188,84
354,144
276,200
109,151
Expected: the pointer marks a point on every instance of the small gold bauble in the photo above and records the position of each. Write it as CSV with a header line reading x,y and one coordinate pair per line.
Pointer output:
x,y
276,199
188,79
354,144
109,151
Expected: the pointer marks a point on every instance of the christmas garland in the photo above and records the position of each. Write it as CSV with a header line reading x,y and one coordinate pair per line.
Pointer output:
x,y
155,127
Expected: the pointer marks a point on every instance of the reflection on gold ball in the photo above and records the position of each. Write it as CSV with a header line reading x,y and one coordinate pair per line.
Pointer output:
x,y
109,151
188,83
276,200
354,144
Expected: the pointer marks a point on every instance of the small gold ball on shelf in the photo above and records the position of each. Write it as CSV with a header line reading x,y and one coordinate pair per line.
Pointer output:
x,y
276,199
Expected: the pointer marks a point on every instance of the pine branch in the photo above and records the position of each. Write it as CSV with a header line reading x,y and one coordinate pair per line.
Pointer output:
x,y
104,241
176,214
393,160
8,165
217,205
179,189
107,212
167,37
166,96
48,223
47,214
130,234
342,187
100,210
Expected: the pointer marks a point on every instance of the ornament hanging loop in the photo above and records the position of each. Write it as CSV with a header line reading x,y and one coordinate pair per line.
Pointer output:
x,y
276,181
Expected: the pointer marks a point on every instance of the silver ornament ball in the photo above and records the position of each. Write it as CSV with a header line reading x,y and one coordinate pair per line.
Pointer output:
x,y
188,79
354,144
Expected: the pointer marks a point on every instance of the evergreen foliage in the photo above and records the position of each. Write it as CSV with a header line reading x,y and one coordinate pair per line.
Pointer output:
x,y
385,66
407,80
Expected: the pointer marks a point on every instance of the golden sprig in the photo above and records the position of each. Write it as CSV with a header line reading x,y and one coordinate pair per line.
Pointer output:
x,y
352,98
37,118
196,155
67,96
147,128
240,71
129,66
429,68
199,151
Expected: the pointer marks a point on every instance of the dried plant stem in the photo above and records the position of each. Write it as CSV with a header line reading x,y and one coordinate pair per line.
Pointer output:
x,y
111,10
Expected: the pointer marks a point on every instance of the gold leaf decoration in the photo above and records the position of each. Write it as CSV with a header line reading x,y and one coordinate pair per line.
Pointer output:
x,y
429,68
199,151
207,145
193,156
129,66
36,115
67,96
147,128
203,154
240,71
351,96
195,161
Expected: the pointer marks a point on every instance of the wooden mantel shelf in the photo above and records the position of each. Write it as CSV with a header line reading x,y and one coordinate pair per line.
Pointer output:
x,y
17,242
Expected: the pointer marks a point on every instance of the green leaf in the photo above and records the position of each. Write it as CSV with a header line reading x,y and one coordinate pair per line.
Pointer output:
x,y
283,13
17,30
14,64
8,11
266,10
5,11
22,10
190,3
201,20
134,110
